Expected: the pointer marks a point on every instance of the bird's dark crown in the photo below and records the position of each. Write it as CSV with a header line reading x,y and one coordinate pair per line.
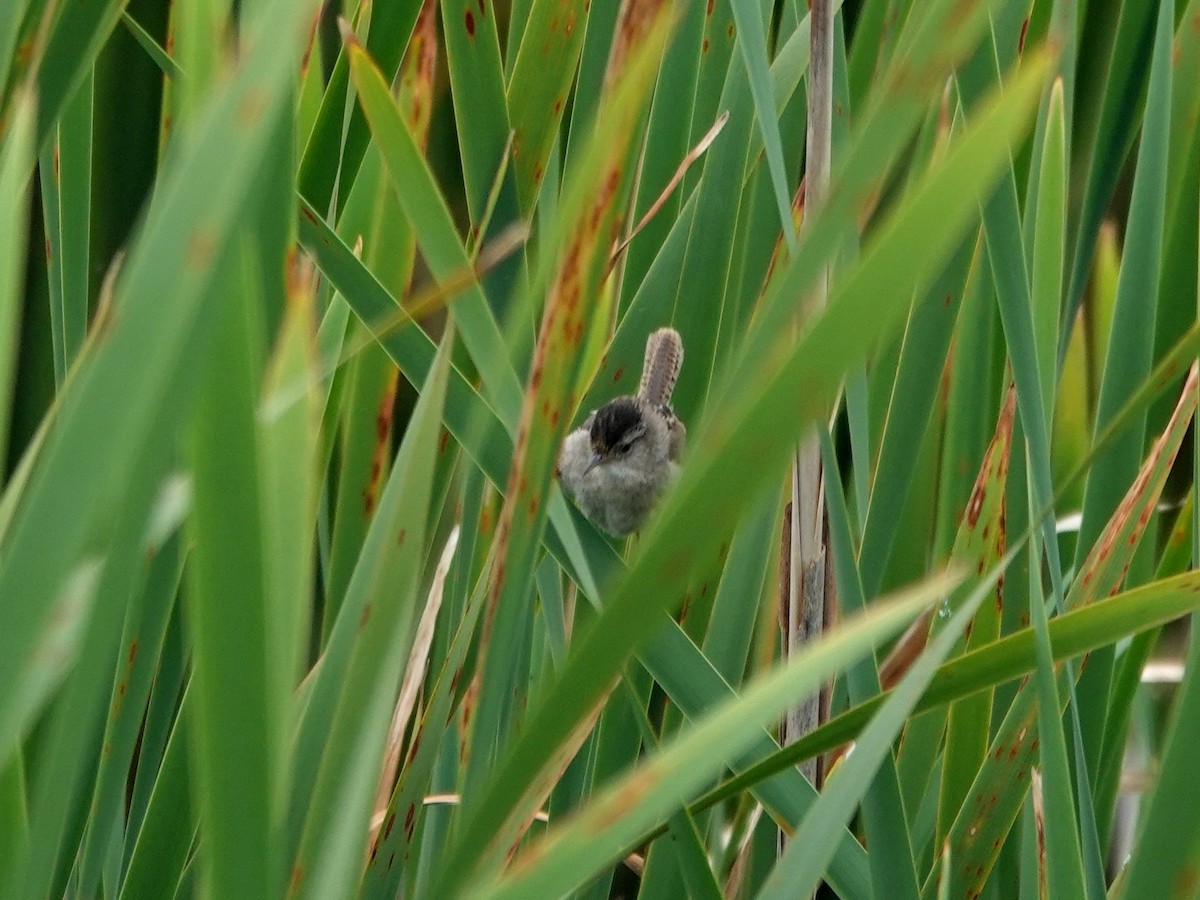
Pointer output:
x,y
618,423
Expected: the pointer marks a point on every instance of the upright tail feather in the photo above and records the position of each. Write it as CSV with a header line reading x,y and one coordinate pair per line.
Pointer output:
x,y
664,356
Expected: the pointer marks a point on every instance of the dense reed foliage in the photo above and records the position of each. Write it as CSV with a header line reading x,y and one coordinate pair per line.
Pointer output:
x,y
298,301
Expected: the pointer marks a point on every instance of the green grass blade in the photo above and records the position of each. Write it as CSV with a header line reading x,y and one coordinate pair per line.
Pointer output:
x,y
334,150
1098,156
1048,248
1129,353
288,476
434,229
754,429
17,157
480,106
238,737
163,843
75,206
542,71
597,834
982,541
800,868
884,825
1128,357
79,479
141,647
348,716
80,31
752,41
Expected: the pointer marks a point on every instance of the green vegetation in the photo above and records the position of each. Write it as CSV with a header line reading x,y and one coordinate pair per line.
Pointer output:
x,y
298,301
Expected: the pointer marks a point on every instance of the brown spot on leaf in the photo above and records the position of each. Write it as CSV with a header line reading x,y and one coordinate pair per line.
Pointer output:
x,y
201,248
975,505
410,818
470,22
252,107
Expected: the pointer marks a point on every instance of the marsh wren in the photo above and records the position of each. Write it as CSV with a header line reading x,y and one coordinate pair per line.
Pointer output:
x,y
617,464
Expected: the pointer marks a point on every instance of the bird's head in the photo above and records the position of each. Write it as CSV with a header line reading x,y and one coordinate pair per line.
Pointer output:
x,y
616,429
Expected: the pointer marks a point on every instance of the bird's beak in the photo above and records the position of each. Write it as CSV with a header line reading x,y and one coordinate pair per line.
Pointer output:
x,y
593,462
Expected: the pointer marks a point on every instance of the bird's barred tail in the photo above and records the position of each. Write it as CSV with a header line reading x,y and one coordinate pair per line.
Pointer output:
x,y
664,356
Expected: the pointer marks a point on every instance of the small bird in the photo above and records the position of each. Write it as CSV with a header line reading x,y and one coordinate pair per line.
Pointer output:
x,y
617,464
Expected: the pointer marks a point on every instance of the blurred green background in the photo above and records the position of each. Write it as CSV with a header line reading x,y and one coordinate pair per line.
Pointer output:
x,y
298,301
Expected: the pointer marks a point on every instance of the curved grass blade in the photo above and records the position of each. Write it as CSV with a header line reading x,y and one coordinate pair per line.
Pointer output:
x,y
991,806
588,217
718,481
800,868
885,828
433,226
116,391
1079,631
567,857
345,723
